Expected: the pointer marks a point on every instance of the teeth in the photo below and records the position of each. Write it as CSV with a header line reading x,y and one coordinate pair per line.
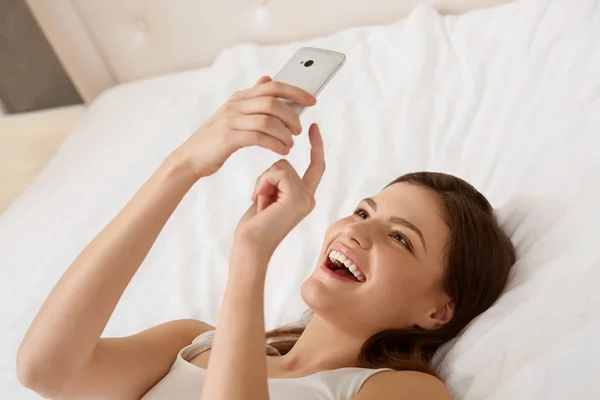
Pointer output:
x,y
337,256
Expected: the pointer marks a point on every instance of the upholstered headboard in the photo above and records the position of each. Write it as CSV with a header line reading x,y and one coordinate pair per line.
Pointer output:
x,y
105,42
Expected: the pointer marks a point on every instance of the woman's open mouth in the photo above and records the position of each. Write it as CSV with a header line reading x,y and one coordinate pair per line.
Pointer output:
x,y
337,263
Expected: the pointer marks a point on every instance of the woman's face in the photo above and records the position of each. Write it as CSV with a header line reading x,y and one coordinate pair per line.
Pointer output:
x,y
396,240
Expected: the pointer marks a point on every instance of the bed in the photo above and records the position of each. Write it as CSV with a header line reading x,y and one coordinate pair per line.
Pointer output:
x,y
507,97
27,142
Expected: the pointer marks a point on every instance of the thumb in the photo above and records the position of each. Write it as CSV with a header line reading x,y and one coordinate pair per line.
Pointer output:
x,y
263,202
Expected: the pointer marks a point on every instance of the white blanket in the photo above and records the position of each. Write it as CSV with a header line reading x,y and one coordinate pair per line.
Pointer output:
x,y
507,98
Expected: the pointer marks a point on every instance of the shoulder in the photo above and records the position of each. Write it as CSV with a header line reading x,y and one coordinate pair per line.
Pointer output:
x,y
191,325
401,385
179,332
183,325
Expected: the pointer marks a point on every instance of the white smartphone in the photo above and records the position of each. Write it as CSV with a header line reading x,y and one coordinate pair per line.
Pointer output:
x,y
310,69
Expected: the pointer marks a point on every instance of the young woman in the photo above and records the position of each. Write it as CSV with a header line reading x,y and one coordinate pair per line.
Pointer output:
x,y
402,275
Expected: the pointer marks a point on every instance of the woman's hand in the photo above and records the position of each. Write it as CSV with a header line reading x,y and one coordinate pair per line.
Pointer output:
x,y
281,199
250,117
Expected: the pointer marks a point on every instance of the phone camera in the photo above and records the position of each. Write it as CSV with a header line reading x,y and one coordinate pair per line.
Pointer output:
x,y
309,63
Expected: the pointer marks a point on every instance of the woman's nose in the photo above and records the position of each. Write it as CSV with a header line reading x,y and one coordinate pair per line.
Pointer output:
x,y
358,233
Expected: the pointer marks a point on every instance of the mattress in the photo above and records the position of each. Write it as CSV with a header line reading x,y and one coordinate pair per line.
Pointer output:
x,y
507,98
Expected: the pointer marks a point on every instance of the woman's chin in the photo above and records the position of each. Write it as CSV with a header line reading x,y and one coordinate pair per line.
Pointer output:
x,y
330,303
320,291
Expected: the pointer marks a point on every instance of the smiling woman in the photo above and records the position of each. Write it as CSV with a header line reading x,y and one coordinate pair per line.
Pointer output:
x,y
395,279
433,259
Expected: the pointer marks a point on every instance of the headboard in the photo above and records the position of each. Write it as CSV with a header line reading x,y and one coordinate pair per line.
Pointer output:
x,y
104,42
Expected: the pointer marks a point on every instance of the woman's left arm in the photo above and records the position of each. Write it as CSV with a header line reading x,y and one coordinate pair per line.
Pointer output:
x,y
237,369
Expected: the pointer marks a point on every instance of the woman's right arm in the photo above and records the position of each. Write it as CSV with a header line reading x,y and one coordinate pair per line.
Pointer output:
x,y
62,354
64,335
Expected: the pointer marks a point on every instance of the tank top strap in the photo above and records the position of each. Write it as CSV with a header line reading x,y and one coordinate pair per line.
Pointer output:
x,y
346,382
204,337
203,342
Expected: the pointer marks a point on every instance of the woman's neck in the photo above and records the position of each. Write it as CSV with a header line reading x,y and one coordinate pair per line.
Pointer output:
x,y
321,347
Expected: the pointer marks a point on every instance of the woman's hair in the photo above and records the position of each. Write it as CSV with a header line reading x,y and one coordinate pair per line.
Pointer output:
x,y
478,259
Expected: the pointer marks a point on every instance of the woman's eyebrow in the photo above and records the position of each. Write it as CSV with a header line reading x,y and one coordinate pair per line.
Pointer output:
x,y
399,221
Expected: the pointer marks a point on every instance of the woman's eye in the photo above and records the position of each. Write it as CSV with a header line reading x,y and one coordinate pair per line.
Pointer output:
x,y
400,238
361,213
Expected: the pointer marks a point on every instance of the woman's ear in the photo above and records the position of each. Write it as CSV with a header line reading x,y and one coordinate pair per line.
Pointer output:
x,y
439,317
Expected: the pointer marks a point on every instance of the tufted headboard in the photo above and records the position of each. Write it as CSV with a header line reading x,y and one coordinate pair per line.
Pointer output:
x,y
104,42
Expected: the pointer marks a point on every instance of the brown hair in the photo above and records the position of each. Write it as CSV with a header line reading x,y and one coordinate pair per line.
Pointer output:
x,y
479,256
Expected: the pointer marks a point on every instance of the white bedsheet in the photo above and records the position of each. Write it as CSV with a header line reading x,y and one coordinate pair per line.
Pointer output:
x,y
507,98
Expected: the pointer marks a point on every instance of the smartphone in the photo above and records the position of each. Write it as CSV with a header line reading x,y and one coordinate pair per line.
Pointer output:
x,y
310,69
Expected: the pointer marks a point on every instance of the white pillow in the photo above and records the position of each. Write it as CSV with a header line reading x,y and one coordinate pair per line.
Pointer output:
x,y
507,98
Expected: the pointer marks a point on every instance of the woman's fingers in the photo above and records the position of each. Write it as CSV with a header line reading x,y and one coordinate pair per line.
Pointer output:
x,y
314,172
264,194
260,189
263,185
260,139
277,89
275,108
266,124
262,79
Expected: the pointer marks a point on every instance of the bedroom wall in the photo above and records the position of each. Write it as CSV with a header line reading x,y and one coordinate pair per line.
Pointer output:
x,y
31,77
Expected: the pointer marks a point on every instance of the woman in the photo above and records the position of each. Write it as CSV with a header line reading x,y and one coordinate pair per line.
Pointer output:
x,y
405,273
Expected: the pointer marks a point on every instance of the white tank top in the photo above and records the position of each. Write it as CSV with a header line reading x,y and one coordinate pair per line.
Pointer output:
x,y
184,380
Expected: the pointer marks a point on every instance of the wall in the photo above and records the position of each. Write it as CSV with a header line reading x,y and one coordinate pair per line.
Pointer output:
x,y
31,77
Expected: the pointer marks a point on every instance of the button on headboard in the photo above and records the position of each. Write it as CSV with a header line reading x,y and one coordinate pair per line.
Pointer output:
x,y
105,42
